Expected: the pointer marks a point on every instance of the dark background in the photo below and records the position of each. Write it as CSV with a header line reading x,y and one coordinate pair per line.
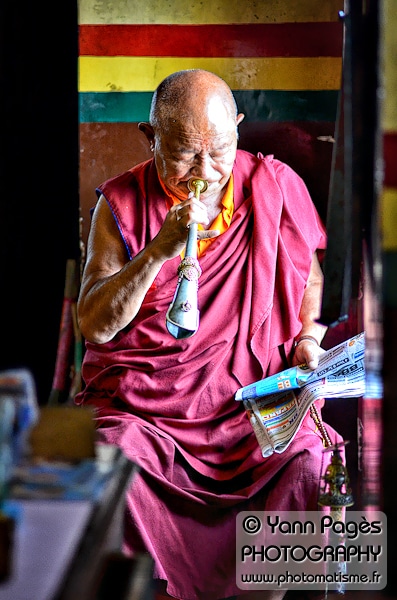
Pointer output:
x,y
39,212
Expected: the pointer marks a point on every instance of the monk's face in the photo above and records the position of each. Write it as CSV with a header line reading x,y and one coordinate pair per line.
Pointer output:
x,y
201,142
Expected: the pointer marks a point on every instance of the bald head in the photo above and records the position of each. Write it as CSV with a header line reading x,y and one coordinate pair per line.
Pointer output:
x,y
193,131
184,94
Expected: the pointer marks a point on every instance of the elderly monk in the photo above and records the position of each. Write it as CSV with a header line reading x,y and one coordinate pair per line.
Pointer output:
x,y
169,403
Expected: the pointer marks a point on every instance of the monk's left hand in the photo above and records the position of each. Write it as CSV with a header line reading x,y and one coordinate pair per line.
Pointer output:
x,y
307,352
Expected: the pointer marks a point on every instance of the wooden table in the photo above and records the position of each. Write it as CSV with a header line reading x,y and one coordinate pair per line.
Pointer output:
x,y
63,548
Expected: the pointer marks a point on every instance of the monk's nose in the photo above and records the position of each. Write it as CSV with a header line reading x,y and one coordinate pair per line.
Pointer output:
x,y
203,168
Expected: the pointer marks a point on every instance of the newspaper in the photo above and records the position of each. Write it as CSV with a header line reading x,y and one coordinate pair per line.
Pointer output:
x,y
277,405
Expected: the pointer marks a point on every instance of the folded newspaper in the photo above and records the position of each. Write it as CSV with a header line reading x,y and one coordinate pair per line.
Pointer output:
x,y
277,405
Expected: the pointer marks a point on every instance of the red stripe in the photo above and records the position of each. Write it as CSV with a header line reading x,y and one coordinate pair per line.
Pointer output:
x,y
217,41
390,159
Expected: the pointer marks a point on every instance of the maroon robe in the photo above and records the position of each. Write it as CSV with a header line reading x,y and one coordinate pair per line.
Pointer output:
x,y
169,404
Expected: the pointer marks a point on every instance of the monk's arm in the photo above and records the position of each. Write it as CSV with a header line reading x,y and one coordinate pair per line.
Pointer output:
x,y
113,287
307,351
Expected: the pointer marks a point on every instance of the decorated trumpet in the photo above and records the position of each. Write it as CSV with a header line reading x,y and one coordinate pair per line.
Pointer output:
x,y
182,318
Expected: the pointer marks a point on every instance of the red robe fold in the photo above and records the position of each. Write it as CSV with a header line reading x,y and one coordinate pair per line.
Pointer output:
x,y
169,404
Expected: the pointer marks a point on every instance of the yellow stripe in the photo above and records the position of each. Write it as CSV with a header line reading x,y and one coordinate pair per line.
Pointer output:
x,y
389,218
389,118
143,74
180,12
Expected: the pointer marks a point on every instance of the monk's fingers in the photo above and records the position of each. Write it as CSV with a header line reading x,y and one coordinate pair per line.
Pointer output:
x,y
312,354
208,234
309,353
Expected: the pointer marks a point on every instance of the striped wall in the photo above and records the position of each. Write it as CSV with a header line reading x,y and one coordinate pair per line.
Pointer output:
x,y
282,60
389,128
388,415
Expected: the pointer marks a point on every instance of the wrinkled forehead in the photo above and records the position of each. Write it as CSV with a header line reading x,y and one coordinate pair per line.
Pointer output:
x,y
212,119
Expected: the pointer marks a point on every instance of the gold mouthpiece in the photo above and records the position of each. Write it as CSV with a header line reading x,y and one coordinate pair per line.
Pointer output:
x,y
197,185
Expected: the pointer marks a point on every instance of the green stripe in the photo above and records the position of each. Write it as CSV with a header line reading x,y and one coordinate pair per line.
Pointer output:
x,y
389,279
278,106
114,107
257,105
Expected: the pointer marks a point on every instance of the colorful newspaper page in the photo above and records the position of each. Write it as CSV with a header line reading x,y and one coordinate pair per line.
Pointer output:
x,y
276,416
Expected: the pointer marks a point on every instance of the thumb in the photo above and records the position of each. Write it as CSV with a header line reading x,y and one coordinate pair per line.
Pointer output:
x,y
208,234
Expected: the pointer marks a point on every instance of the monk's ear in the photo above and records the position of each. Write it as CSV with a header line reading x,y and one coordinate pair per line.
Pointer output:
x,y
147,130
